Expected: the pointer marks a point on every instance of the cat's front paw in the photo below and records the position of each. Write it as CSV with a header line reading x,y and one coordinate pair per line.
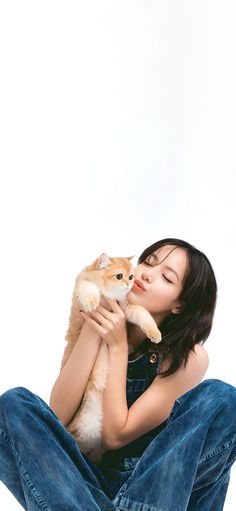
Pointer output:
x,y
153,333
90,304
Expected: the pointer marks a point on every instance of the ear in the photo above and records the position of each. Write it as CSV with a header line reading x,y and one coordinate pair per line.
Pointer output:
x,y
133,260
103,261
177,309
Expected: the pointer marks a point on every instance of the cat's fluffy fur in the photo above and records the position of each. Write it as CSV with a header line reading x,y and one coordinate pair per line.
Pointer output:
x,y
100,278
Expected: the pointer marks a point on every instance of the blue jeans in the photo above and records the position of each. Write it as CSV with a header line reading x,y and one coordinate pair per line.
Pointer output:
x,y
185,466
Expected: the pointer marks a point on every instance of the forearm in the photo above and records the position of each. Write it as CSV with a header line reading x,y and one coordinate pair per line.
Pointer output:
x,y
115,409
68,390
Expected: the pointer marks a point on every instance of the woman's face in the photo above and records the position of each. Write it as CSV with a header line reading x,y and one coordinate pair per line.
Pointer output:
x,y
161,275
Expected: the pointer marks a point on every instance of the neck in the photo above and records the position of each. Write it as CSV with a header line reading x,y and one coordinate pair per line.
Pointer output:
x,y
135,335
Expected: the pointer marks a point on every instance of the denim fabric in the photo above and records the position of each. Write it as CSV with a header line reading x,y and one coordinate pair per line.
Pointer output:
x,y
183,464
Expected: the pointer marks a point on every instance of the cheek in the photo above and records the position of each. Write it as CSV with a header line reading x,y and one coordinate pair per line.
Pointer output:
x,y
163,295
161,289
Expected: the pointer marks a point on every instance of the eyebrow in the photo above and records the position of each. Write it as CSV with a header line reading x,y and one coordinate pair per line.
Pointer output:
x,y
168,267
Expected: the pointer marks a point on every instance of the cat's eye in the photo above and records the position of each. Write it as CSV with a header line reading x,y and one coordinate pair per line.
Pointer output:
x,y
131,277
119,276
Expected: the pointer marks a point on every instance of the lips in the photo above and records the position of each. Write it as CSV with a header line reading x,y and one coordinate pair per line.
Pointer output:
x,y
140,285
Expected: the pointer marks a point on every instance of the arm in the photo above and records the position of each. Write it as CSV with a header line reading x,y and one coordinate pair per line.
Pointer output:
x,y
68,390
120,424
115,410
155,404
110,323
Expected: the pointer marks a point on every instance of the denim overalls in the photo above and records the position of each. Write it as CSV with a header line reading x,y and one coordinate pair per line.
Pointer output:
x,y
118,464
182,465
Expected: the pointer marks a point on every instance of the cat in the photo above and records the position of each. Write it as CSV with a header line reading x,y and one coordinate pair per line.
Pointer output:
x,y
111,277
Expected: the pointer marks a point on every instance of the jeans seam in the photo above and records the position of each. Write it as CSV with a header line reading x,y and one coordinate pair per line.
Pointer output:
x,y
41,505
218,450
124,501
6,437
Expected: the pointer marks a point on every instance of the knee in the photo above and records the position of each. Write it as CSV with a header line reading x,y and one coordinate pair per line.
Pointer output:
x,y
14,393
12,400
214,391
221,399
214,386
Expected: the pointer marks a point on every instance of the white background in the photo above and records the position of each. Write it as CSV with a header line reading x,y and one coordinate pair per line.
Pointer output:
x,y
117,129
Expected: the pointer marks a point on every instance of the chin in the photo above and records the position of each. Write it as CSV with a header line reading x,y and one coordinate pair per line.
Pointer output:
x,y
131,297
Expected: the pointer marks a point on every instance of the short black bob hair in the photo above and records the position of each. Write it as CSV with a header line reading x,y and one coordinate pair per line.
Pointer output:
x,y
192,325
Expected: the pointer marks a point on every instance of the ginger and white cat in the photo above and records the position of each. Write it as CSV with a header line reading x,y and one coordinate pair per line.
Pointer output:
x,y
112,277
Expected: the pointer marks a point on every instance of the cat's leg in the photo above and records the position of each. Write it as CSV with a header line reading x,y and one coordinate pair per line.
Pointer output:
x,y
88,295
140,316
87,423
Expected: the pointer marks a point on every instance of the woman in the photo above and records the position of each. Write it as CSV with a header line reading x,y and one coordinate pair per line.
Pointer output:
x,y
169,438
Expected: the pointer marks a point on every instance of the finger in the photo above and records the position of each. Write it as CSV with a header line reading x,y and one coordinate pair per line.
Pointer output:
x,y
94,324
101,318
113,304
105,313
104,302
116,307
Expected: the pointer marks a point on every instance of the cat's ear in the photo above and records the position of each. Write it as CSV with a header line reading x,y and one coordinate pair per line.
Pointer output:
x,y
133,260
103,261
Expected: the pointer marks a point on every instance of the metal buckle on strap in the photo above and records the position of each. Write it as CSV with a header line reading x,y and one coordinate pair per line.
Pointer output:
x,y
153,358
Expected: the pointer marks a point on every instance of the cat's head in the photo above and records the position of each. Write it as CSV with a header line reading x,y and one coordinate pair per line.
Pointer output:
x,y
113,275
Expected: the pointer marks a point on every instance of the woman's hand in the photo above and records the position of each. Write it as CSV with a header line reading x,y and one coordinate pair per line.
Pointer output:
x,y
109,322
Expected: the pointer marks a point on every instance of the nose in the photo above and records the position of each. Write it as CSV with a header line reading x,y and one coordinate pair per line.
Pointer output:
x,y
147,275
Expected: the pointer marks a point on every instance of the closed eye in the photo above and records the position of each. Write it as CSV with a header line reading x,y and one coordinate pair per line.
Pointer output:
x,y
167,279
145,262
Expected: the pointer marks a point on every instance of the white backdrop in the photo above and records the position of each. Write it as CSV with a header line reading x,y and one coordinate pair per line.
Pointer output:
x,y
117,129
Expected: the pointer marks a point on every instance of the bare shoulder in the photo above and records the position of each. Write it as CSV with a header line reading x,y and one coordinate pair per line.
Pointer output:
x,y
185,378
188,376
201,352
198,357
